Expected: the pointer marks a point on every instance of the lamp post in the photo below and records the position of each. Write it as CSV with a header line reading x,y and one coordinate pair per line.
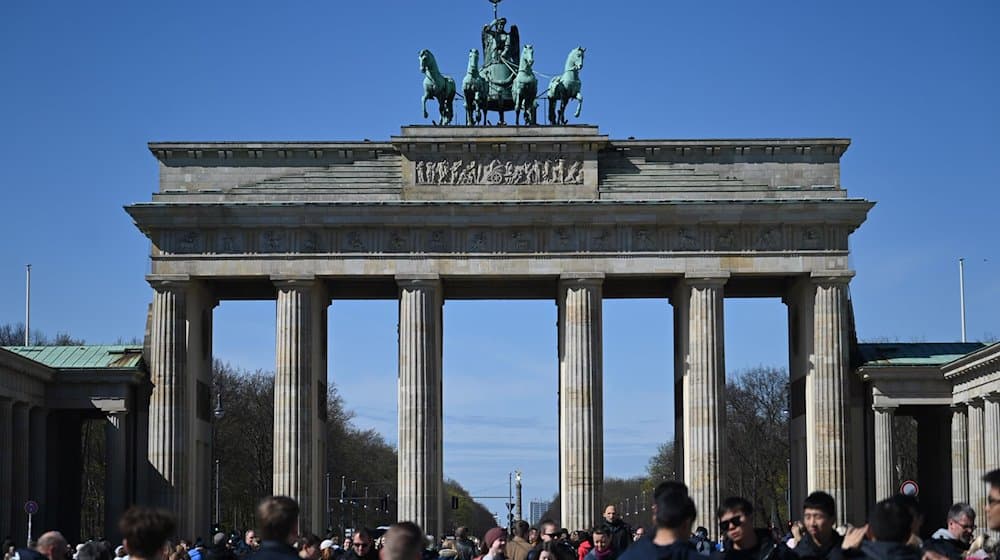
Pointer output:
x,y
218,413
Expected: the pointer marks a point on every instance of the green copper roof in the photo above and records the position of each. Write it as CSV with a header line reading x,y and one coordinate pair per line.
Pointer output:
x,y
82,357
913,353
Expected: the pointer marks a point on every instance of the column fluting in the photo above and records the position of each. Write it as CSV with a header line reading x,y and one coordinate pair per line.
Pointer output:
x,y
977,458
959,454
885,479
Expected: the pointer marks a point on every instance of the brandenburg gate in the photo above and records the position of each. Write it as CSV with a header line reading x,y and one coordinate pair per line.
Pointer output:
x,y
548,212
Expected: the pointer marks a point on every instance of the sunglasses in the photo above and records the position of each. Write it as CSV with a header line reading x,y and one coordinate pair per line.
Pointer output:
x,y
733,521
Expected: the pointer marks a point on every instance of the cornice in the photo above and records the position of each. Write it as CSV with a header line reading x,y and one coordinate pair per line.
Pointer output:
x,y
973,364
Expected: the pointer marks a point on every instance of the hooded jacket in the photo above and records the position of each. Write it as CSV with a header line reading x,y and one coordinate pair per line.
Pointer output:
x,y
808,549
875,550
646,549
767,549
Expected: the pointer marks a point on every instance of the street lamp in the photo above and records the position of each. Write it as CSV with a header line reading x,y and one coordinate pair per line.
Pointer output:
x,y
218,413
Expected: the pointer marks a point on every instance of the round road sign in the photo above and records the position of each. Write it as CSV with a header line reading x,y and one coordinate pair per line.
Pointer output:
x,y
909,488
31,507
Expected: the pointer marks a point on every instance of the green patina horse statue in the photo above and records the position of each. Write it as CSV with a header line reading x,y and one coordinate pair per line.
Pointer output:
x,y
437,86
474,90
525,88
566,87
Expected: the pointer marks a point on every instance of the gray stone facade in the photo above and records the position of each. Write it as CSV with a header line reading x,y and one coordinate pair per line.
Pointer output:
x,y
561,213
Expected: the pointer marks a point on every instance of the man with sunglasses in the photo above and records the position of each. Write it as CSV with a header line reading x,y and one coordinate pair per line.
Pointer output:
x,y
993,500
742,540
362,547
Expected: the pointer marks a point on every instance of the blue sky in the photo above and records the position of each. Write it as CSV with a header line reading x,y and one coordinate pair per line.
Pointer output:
x,y
913,84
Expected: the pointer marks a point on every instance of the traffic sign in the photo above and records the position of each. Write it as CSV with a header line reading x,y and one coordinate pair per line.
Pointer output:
x,y
909,488
31,507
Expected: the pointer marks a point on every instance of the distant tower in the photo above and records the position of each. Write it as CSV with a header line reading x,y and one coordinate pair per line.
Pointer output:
x,y
537,509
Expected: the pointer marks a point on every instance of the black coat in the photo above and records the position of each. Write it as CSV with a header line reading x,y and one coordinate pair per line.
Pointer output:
x,y
645,549
620,533
889,551
767,549
807,549
274,550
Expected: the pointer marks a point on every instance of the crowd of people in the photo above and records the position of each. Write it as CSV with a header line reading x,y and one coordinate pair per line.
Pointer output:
x,y
892,533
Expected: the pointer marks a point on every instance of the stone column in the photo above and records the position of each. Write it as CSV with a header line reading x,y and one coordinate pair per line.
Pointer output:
x,y
37,426
977,458
115,473
581,404
959,454
826,437
885,466
421,453
991,425
294,397
19,472
704,386
6,464
169,406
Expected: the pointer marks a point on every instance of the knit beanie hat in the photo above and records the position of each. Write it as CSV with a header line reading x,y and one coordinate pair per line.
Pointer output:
x,y
492,535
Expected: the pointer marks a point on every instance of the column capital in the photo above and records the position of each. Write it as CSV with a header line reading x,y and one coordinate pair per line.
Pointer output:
x,y
992,396
884,408
827,277
959,407
293,281
582,278
418,280
976,402
169,282
708,278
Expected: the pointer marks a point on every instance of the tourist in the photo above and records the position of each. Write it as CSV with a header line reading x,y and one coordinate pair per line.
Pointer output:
x,y
639,532
448,550
220,549
533,538
465,547
701,542
51,545
618,532
742,541
93,550
403,541
327,549
145,532
249,545
121,553
493,544
278,527
518,547
308,546
584,544
675,512
820,541
554,550
198,550
603,549
362,546
890,526
993,499
954,539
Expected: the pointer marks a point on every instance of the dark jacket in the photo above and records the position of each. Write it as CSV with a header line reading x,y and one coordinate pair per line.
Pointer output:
x,y
808,549
372,554
30,554
219,552
592,555
767,549
645,549
274,550
620,533
943,543
889,551
466,549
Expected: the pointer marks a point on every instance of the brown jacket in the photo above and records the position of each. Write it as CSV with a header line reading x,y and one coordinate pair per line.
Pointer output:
x,y
517,549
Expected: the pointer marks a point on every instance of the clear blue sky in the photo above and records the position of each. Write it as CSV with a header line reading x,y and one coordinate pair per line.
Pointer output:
x,y
913,84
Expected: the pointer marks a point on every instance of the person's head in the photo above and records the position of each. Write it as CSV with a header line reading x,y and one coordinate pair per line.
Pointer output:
x,y
120,552
520,528
961,521
549,530
993,500
52,545
462,533
675,511
912,505
890,521
278,519
93,550
602,541
250,538
639,533
361,541
145,531
552,550
819,514
403,541
533,535
610,514
309,547
494,542
735,516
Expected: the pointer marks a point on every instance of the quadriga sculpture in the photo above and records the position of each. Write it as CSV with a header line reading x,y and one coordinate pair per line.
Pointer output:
x,y
525,88
474,90
565,87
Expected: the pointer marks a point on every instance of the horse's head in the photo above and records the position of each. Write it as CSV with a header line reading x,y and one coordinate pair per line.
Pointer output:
x,y
473,59
426,58
576,58
527,57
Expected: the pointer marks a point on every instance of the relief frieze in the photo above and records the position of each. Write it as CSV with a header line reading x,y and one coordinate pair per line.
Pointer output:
x,y
523,239
523,169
